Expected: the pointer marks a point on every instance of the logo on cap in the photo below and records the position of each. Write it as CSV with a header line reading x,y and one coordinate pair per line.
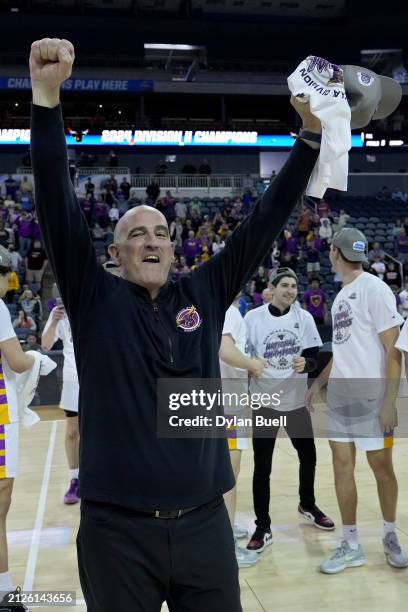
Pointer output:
x,y
188,319
359,246
365,79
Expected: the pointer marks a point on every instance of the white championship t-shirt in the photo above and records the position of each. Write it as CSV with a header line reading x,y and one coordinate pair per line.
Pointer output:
x,y
8,387
278,340
361,310
63,332
404,303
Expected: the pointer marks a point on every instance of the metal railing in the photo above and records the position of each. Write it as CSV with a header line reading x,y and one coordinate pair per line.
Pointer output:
x,y
178,182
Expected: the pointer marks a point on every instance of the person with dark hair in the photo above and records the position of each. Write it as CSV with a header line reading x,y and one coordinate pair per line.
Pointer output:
x,y
168,536
286,338
315,302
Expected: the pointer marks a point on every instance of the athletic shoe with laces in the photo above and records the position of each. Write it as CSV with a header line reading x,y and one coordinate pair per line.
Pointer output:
x,y
343,557
10,602
260,539
317,517
71,496
393,552
245,558
240,532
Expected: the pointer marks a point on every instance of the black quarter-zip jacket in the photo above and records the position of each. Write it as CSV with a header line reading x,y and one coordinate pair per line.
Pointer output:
x,y
124,341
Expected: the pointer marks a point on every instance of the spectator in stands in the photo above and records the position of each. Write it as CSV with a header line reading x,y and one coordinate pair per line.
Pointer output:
x,y
312,259
167,206
35,262
397,228
16,259
289,260
110,184
323,209
24,321
195,205
315,302
195,220
189,168
12,287
246,202
87,205
31,343
325,230
113,214
343,218
378,266
398,196
153,192
402,248
392,275
191,248
304,224
11,187
89,188
267,295
26,187
35,228
125,188
180,208
261,280
376,251
101,213
182,267
23,226
26,202
404,300
97,232
290,244
383,194
112,160
218,244
395,291
4,235
205,168
176,232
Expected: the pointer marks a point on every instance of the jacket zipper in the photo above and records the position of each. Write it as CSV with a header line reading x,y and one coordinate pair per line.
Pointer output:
x,y
157,317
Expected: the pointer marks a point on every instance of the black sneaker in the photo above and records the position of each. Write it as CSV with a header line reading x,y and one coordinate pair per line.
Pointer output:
x,y
10,602
260,539
317,517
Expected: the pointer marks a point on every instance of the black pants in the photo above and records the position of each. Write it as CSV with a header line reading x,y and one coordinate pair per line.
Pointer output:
x,y
297,421
133,563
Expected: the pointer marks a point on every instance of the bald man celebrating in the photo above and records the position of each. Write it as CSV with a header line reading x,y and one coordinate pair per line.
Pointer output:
x,y
153,522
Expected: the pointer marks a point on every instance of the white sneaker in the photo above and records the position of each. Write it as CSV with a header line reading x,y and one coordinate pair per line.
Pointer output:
x,y
343,557
245,558
240,532
393,552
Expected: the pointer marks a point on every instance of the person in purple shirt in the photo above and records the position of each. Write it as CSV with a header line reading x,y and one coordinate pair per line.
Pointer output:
x,y
290,244
191,248
23,225
315,302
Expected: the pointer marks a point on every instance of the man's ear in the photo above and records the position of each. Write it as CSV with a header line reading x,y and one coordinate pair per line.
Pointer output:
x,y
114,253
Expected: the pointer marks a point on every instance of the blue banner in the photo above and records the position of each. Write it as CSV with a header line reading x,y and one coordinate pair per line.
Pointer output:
x,y
166,138
22,83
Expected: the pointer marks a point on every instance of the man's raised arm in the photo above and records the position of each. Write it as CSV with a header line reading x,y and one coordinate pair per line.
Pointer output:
x,y
228,271
64,228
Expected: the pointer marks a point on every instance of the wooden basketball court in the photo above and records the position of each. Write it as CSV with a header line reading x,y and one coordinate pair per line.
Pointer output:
x,y
42,531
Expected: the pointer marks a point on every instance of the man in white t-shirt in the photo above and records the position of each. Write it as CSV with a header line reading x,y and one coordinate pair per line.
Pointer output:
x,y
364,376
235,364
12,360
58,328
404,300
285,336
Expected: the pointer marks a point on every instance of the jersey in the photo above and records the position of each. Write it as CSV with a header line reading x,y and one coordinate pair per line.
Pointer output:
x,y
278,340
8,386
63,332
361,310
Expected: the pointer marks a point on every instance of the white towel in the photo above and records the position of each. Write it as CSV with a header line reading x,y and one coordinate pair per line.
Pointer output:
x,y
320,83
27,383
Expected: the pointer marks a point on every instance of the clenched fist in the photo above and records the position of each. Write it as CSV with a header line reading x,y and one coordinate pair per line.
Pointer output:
x,y
51,62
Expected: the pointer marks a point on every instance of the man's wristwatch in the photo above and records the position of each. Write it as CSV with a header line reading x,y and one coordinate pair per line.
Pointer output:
x,y
312,136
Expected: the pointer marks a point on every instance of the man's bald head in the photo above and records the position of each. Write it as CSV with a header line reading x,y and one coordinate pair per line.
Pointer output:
x,y
130,217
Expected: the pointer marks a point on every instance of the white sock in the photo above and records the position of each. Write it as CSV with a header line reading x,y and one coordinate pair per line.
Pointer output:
x,y
73,473
351,536
6,584
388,528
